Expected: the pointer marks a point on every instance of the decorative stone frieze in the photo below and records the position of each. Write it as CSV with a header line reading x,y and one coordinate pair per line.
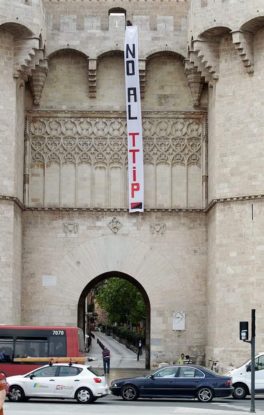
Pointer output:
x,y
171,138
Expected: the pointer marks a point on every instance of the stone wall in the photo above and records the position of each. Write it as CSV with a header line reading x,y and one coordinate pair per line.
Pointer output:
x,y
10,262
236,142
91,30
226,45
233,14
235,283
165,252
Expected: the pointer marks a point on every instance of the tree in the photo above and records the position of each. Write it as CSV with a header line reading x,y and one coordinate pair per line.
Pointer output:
x,y
122,301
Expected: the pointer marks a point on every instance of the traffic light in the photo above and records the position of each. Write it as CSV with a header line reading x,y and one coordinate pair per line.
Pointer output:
x,y
243,330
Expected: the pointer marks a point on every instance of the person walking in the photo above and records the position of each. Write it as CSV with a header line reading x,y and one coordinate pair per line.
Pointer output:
x,y
106,360
3,390
139,351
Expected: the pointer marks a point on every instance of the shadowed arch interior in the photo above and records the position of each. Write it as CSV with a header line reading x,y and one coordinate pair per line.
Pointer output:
x,y
93,283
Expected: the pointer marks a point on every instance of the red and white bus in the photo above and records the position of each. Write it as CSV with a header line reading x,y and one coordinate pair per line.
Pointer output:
x,y
24,348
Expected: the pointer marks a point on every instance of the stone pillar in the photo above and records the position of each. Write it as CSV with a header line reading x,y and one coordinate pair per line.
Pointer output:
x,y
11,183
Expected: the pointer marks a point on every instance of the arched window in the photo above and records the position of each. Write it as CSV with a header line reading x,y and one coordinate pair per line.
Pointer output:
x,y
117,18
117,11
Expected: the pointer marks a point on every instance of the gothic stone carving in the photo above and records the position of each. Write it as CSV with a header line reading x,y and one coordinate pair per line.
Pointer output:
x,y
37,82
115,225
170,138
71,228
158,228
195,82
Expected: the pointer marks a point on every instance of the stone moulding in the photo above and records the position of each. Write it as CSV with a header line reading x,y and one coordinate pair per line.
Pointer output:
x,y
92,70
213,203
204,56
243,42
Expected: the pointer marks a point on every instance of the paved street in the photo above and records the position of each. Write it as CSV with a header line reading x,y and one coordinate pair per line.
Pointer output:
x,y
115,406
121,356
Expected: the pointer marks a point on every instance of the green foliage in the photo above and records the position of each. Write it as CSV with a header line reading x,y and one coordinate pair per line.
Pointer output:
x,y
121,300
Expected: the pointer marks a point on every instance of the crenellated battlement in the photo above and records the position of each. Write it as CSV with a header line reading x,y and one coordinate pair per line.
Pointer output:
x,y
232,14
94,15
210,20
29,13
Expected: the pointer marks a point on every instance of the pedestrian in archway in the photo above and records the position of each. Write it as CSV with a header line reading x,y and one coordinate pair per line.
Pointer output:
x,y
106,359
3,390
139,351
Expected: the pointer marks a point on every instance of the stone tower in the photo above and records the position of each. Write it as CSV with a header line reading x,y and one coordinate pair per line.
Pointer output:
x,y
225,46
64,223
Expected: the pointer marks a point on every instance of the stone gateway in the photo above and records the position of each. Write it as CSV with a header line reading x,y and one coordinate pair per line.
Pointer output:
x,y
197,249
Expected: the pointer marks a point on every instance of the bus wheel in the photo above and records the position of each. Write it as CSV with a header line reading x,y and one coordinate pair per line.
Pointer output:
x,y
16,394
84,395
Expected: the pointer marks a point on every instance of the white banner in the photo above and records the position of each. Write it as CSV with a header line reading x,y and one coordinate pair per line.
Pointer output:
x,y
134,123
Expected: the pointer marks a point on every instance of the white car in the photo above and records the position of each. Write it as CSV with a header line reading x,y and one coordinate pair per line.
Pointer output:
x,y
65,381
241,378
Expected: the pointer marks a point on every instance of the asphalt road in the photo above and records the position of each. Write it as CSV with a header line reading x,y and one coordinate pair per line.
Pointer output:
x,y
115,406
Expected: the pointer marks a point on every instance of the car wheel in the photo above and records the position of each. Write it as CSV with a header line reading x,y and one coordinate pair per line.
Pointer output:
x,y
16,394
129,393
205,394
84,395
240,391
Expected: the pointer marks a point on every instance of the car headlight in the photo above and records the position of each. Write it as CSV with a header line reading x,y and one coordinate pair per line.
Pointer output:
x,y
114,385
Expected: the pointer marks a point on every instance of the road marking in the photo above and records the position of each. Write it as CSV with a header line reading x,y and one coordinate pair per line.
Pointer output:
x,y
232,410
235,407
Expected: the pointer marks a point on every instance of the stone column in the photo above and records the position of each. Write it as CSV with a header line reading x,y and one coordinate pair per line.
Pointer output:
x,y
11,183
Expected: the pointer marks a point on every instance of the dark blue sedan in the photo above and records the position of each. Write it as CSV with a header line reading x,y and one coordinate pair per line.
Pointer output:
x,y
182,381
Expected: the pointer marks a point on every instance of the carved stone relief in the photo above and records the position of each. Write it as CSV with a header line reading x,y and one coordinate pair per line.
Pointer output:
x,y
71,228
173,140
88,151
115,225
158,228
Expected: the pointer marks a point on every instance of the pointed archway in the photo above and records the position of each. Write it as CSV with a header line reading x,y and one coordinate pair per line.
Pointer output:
x,y
94,282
